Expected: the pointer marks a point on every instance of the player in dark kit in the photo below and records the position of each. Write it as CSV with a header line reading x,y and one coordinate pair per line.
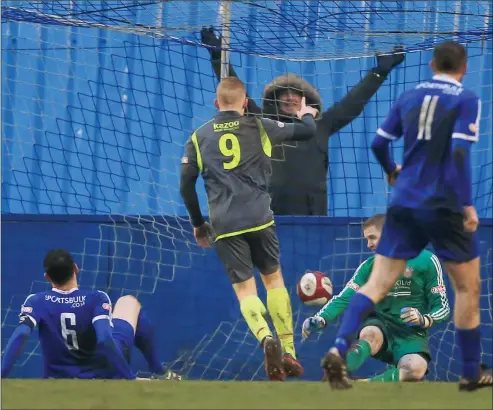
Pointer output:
x,y
299,171
432,202
80,336
233,154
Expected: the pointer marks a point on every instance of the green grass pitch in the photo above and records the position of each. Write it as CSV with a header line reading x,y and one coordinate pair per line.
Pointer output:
x,y
101,394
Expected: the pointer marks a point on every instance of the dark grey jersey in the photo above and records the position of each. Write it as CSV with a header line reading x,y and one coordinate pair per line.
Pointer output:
x,y
233,154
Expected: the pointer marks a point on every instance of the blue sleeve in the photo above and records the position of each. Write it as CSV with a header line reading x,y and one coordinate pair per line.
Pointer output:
x,y
110,350
14,348
461,153
380,148
102,307
391,128
30,313
466,125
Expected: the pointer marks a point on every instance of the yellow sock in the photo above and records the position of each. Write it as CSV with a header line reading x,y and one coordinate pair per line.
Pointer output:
x,y
253,310
279,305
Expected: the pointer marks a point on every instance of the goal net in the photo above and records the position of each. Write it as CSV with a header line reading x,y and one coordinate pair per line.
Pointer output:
x,y
99,97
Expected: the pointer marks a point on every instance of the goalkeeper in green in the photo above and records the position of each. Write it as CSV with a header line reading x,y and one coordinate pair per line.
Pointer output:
x,y
396,332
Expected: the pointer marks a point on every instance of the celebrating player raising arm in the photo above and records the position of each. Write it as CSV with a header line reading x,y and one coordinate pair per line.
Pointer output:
x,y
298,185
396,333
79,334
431,202
233,154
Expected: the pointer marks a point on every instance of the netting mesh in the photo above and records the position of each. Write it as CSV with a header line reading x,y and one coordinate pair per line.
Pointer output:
x,y
98,98
308,30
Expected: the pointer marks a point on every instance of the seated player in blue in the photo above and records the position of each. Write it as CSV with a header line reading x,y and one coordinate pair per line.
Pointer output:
x,y
80,336
431,203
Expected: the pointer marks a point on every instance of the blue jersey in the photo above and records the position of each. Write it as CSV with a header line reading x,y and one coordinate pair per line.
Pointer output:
x,y
429,117
66,333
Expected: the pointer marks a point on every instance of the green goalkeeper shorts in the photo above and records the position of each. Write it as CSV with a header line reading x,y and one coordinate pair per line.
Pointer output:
x,y
399,340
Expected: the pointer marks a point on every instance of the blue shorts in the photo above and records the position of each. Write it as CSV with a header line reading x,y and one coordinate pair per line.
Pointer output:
x,y
123,333
407,232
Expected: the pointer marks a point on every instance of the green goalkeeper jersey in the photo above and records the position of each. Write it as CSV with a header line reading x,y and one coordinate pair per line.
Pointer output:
x,y
420,286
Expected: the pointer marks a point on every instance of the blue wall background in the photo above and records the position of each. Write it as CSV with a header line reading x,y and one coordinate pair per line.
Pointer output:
x,y
93,126
94,120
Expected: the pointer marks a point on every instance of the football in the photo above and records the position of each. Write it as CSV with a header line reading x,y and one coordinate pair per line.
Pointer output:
x,y
314,288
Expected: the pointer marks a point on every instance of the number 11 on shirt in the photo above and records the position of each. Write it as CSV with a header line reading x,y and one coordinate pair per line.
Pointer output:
x,y
426,116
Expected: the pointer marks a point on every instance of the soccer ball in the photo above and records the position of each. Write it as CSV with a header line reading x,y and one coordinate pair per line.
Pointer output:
x,y
314,288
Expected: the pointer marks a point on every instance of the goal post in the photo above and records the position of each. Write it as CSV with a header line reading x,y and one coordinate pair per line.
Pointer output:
x,y
225,13
98,100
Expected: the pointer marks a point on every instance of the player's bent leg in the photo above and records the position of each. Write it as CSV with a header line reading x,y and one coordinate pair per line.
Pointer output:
x,y
127,308
466,280
383,276
369,343
412,368
125,317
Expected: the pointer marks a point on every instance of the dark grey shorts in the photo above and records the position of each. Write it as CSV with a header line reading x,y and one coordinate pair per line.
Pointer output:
x,y
242,253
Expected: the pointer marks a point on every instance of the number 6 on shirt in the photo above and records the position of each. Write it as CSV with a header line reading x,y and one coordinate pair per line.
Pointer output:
x,y
230,147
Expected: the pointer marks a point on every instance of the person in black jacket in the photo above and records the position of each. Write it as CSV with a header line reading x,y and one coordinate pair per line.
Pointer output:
x,y
298,183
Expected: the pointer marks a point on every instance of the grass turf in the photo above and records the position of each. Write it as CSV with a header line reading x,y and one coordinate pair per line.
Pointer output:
x,y
107,394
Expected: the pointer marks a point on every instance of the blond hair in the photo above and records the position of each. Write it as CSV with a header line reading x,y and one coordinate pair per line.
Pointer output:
x,y
376,220
230,92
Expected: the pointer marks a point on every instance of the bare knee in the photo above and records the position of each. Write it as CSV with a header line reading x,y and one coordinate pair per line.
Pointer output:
x,y
412,368
374,337
273,280
127,308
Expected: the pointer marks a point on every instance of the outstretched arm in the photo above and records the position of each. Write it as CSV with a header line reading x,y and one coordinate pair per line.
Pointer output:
x,y
14,348
338,304
353,103
28,319
213,42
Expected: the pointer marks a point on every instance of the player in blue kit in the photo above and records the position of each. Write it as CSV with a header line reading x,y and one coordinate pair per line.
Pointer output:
x,y
80,335
431,203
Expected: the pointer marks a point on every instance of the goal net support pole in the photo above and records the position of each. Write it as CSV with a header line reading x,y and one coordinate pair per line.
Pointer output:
x,y
225,13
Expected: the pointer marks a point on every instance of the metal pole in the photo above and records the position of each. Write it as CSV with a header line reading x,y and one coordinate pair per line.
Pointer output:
x,y
225,12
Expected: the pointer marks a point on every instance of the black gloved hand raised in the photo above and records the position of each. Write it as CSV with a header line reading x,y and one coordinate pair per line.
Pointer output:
x,y
209,38
385,63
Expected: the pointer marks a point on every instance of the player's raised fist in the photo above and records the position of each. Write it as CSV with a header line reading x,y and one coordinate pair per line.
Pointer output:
x,y
204,235
306,109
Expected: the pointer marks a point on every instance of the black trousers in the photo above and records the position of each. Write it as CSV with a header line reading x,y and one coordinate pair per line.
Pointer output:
x,y
299,203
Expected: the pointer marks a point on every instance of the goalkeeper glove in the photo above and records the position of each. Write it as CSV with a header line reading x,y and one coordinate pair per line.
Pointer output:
x,y
413,317
386,62
310,325
209,38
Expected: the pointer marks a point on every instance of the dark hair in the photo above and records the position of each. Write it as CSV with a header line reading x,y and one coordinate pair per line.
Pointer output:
x,y
376,220
449,57
59,266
